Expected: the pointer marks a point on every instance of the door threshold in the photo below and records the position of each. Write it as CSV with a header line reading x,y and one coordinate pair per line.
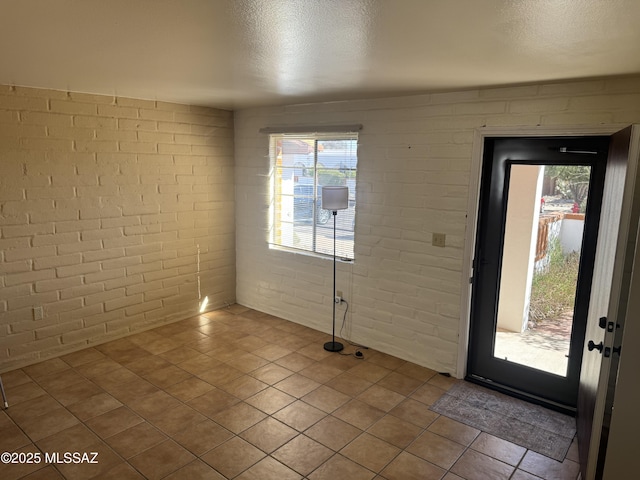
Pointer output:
x,y
528,397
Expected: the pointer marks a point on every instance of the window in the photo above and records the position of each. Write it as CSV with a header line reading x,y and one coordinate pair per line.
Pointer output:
x,y
301,166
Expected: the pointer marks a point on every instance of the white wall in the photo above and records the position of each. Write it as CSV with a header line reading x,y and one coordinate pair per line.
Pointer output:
x,y
519,251
413,179
111,209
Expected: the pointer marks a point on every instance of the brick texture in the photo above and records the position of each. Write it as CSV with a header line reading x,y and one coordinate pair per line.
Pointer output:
x,y
106,206
413,180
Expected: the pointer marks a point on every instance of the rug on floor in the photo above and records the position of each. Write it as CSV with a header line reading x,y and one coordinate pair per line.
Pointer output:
x,y
531,426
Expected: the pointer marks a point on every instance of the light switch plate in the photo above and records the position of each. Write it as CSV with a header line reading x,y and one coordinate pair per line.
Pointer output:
x,y
438,239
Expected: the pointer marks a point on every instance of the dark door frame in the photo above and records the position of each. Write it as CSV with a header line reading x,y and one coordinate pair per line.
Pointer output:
x,y
473,209
519,380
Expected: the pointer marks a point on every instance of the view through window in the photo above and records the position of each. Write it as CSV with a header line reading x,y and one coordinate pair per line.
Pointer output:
x,y
301,166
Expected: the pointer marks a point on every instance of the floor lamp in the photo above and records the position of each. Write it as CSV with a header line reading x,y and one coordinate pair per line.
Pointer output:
x,y
334,199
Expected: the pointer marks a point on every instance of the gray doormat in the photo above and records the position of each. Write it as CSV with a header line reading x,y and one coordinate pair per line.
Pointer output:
x,y
531,426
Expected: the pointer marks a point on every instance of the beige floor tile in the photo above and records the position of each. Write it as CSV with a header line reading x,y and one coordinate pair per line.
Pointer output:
x,y
499,449
61,380
203,437
147,365
395,431
46,473
213,402
473,465
299,415
269,434
409,467
359,414
167,376
160,399
196,470
33,408
161,460
297,385
381,398
76,392
189,389
442,381
302,454
94,406
271,374
115,377
48,367
12,438
349,384
294,361
319,372
77,438
428,394
269,469
83,356
135,440
436,449
326,399
546,467
333,433
454,430
239,417
272,352
233,457
400,383
270,400
384,360
114,421
14,471
220,374
177,419
244,386
247,362
179,355
416,371
369,371
23,392
370,452
340,467
154,404
121,471
48,424
132,391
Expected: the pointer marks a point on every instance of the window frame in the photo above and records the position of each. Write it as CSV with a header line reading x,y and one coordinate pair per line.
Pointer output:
x,y
276,209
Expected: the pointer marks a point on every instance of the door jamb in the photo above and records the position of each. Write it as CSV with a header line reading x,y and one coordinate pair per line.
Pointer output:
x,y
472,209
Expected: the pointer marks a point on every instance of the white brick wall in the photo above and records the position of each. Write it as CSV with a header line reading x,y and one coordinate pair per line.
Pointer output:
x,y
103,203
413,179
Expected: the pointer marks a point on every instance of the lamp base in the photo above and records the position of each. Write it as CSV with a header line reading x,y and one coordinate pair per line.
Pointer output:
x,y
333,346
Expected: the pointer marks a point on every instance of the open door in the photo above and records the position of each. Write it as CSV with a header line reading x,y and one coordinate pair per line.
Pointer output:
x,y
610,290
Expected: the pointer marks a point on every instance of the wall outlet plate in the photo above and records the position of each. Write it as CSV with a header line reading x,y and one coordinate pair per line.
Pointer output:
x,y
438,239
38,313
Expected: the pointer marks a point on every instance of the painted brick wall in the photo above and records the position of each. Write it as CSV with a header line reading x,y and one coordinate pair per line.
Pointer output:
x,y
413,180
106,205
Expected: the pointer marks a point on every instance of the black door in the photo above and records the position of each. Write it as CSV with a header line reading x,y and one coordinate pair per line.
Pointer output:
x,y
538,222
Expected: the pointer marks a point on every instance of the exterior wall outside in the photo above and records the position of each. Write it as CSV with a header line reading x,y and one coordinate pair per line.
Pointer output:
x,y
413,179
519,250
105,203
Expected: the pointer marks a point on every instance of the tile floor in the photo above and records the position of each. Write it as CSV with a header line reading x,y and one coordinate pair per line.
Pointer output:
x,y
241,394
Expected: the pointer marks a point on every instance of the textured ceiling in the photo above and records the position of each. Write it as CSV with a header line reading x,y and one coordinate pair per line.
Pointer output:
x,y
240,53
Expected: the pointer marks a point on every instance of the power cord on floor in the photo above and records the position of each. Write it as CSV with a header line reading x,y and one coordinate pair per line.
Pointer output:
x,y
357,354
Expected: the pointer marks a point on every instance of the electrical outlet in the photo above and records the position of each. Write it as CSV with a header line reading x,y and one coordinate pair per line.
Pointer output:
x,y
337,299
438,239
38,313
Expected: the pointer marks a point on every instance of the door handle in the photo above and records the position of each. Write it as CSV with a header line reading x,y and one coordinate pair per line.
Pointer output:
x,y
592,346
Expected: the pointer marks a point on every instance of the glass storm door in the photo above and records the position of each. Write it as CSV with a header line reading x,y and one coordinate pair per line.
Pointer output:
x,y
538,222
